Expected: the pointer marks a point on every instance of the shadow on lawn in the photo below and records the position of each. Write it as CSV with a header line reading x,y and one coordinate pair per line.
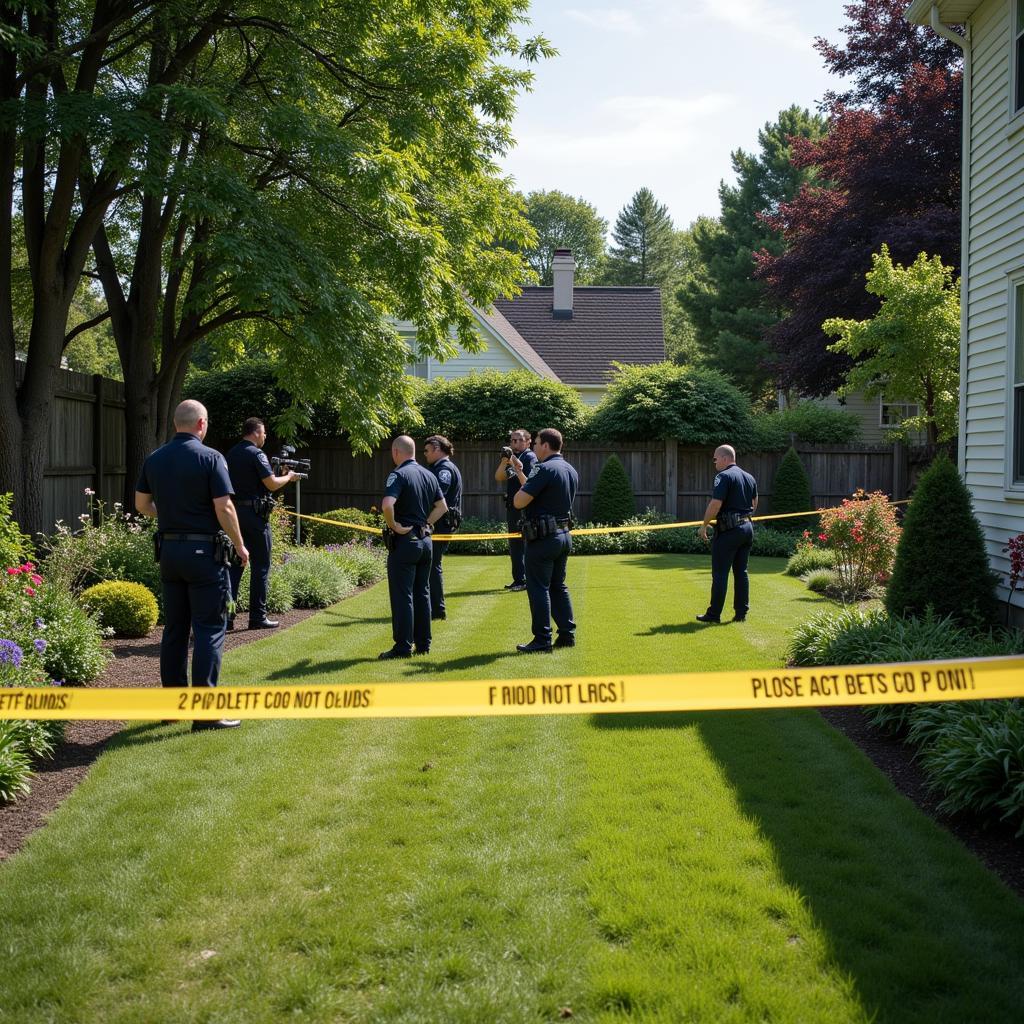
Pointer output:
x,y
760,565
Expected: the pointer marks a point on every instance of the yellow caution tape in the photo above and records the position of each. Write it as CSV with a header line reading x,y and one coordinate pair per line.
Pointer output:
x,y
449,537
923,681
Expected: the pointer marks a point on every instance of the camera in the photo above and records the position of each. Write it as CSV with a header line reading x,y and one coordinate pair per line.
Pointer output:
x,y
506,452
284,461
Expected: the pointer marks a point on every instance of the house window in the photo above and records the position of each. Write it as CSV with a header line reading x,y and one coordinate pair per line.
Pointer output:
x,y
1017,402
1018,59
893,414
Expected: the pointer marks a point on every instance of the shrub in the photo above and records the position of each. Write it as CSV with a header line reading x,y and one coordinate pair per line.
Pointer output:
x,y
74,645
808,557
811,422
791,488
471,524
824,581
941,561
315,577
692,404
279,592
366,562
320,534
15,764
129,609
486,406
613,501
15,546
862,534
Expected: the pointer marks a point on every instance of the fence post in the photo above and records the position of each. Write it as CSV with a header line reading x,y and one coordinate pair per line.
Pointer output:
x,y
671,477
97,440
900,470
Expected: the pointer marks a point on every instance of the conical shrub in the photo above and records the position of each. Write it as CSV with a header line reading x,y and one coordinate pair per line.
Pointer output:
x,y
940,560
613,502
791,491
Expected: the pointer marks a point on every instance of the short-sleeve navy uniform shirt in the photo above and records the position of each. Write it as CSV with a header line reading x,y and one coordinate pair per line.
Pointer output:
x,y
736,489
512,484
415,490
184,477
449,479
248,467
553,484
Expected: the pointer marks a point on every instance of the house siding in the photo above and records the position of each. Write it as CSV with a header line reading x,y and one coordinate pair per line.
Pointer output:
x,y
995,252
494,357
868,413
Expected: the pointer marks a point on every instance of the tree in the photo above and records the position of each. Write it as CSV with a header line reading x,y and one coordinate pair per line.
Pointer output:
x,y
727,305
613,501
645,253
561,221
307,171
888,171
791,488
910,349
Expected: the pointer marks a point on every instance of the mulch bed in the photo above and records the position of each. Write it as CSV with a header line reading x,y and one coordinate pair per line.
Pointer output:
x,y
136,663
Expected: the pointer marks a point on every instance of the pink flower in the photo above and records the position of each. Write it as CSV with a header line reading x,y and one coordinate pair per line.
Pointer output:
x,y
30,591
36,579
822,536
13,571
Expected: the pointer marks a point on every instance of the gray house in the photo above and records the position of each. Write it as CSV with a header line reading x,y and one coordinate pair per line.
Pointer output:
x,y
992,285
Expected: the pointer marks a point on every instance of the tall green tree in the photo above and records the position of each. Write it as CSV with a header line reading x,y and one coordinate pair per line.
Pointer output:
x,y
909,351
729,308
561,221
306,168
646,250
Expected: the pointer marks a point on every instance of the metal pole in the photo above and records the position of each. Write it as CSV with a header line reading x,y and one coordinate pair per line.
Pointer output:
x,y
298,511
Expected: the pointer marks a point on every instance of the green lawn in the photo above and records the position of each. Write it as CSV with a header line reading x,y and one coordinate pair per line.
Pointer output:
x,y
721,867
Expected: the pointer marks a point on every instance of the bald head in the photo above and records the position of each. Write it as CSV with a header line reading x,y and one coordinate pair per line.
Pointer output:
x,y
725,451
403,447
188,415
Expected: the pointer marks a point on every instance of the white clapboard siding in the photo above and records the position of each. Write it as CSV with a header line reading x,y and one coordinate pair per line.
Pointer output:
x,y
495,357
869,415
995,251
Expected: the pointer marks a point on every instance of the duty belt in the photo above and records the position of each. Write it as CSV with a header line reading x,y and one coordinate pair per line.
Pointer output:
x,y
188,536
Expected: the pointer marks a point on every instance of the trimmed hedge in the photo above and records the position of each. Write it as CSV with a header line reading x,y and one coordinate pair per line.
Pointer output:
x,y
791,488
129,609
613,501
320,534
811,422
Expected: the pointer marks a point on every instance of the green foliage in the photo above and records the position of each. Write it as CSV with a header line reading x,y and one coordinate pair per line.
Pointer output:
x,y
691,404
315,577
486,406
562,222
613,501
279,592
129,609
791,488
365,561
862,535
910,349
810,422
941,562
320,534
15,764
74,640
15,546
808,557
824,581
646,249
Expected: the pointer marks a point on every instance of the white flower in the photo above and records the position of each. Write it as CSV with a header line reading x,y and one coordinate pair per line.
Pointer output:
x,y
89,491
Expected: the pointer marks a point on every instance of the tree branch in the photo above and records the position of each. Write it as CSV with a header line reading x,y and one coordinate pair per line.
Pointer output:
x,y
86,325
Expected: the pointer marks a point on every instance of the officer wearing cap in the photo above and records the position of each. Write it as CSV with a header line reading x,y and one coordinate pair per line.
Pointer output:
x,y
412,504
186,487
519,443
437,450
733,502
254,481
546,498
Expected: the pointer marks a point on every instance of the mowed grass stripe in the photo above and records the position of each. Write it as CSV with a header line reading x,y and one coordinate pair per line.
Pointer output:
x,y
647,868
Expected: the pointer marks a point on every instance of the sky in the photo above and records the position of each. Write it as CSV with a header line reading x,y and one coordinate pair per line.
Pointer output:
x,y
658,93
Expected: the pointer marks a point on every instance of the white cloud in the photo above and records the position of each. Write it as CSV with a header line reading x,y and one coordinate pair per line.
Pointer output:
x,y
764,18
607,19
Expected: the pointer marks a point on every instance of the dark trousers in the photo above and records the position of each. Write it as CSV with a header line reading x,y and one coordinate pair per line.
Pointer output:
x,y
730,550
258,539
409,590
545,585
195,600
516,550
437,574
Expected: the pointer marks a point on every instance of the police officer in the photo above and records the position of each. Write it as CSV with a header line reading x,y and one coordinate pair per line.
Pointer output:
x,y
733,502
412,504
519,442
437,450
253,481
546,498
186,487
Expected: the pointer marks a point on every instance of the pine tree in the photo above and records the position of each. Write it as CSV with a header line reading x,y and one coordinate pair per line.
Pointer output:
x,y
941,561
646,248
791,489
613,495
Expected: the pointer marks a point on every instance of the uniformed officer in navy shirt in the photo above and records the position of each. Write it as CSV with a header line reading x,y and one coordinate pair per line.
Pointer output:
x,y
519,442
254,481
412,504
733,502
437,450
186,487
545,498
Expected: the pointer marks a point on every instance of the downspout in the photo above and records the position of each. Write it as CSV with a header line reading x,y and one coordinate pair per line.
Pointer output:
x,y
964,42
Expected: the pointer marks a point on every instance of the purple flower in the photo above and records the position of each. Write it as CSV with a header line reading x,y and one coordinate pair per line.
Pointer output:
x,y
10,653
40,624
39,644
56,682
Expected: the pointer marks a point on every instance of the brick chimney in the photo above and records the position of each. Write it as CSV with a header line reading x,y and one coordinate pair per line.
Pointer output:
x,y
563,266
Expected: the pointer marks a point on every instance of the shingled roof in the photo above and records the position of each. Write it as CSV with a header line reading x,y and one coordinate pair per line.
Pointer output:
x,y
607,325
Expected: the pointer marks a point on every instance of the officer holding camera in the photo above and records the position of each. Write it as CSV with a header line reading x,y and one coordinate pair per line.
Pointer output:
x,y
733,502
546,498
519,448
254,481
437,450
186,487
412,504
